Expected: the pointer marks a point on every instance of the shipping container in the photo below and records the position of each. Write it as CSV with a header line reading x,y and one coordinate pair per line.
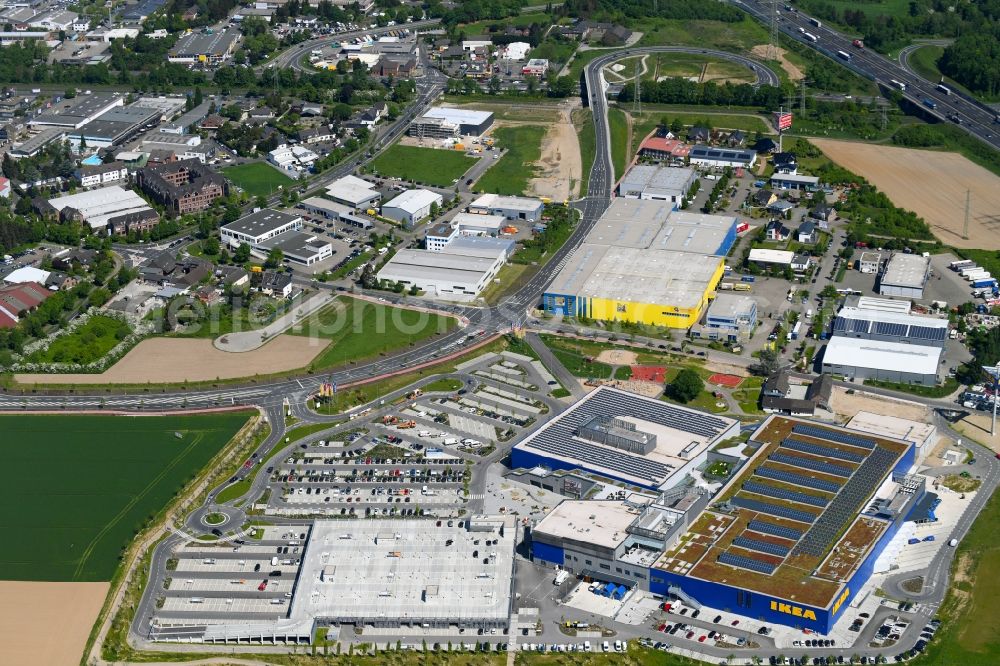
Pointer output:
x,y
796,330
748,278
960,264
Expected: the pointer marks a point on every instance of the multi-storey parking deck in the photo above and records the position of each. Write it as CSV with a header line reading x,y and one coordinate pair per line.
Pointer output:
x,y
796,531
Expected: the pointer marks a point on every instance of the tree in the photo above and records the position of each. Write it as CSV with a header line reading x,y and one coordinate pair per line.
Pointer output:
x,y
686,386
368,278
274,258
211,246
242,254
260,201
767,364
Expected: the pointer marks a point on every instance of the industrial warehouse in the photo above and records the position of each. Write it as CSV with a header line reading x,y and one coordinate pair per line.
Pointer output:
x,y
617,435
644,262
758,548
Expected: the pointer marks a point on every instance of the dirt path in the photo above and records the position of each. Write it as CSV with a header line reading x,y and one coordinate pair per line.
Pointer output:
x,y
47,624
560,168
170,360
932,184
764,51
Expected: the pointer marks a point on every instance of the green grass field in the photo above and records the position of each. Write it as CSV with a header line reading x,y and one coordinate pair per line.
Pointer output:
x,y
511,173
924,62
583,122
88,343
707,34
618,130
359,329
257,178
80,487
429,166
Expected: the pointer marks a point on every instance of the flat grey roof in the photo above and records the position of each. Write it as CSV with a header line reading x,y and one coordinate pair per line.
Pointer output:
x,y
657,180
498,201
882,355
39,140
631,223
75,111
694,232
906,270
296,244
730,305
261,222
327,205
682,434
200,43
404,570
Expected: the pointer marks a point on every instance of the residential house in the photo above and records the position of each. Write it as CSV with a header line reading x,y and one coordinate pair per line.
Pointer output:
x,y
58,281
780,396
807,232
321,134
823,212
276,284
785,163
736,139
801,262
4,188
232,276
698,134
764,198
212,121
781,208
102,174
373,114
776,231
766,146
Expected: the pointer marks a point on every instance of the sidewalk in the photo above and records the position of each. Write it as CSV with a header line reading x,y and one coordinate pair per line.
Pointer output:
x,y
250,340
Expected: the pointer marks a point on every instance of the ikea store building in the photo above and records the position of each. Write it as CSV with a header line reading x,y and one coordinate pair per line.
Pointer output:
x,y
756,548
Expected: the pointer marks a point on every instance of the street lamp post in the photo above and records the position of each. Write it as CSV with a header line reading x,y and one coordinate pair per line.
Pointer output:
x,y
994,371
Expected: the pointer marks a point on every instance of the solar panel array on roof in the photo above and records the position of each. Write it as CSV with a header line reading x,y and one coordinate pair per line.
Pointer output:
x,y
559,439
772,509
820,450
888,328
844,507
809,463
797,479
760,546
845,325
928,333
833,436
747,563
775,530
782,493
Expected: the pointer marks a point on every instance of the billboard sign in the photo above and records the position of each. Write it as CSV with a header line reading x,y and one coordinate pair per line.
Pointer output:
x,y
782,120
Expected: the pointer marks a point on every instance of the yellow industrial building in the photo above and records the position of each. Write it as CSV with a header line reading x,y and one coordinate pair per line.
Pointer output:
x,y
644,263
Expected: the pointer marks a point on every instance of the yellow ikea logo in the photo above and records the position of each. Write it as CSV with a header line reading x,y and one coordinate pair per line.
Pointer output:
x,y
840,601
789,609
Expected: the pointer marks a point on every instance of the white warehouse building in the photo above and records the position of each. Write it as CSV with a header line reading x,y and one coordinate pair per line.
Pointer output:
x,y
411,206
456,272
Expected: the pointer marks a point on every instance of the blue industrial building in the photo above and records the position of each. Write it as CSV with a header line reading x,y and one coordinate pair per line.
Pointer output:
x,y
878,518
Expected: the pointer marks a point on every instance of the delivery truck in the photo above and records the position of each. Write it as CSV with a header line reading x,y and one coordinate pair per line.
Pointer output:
x,y
560,577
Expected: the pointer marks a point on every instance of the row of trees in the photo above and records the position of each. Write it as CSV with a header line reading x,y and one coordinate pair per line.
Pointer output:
x,y
621,11
675,90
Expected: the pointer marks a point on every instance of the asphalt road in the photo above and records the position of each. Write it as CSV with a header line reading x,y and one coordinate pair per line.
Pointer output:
x,y
974,117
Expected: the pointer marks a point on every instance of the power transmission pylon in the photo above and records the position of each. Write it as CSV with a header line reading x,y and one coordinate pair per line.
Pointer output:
x,y
968,203
774,30
802,98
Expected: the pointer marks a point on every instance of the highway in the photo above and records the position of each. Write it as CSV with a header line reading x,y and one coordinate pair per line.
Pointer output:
x,y
973,116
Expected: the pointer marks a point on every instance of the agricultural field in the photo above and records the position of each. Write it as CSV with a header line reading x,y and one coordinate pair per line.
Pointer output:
x,y
932,184
511,173
706,34
426,166
86,484
86,344
357,329
257,178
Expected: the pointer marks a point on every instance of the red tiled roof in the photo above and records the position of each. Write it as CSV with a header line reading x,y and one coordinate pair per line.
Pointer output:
x,y
672,146
24,296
